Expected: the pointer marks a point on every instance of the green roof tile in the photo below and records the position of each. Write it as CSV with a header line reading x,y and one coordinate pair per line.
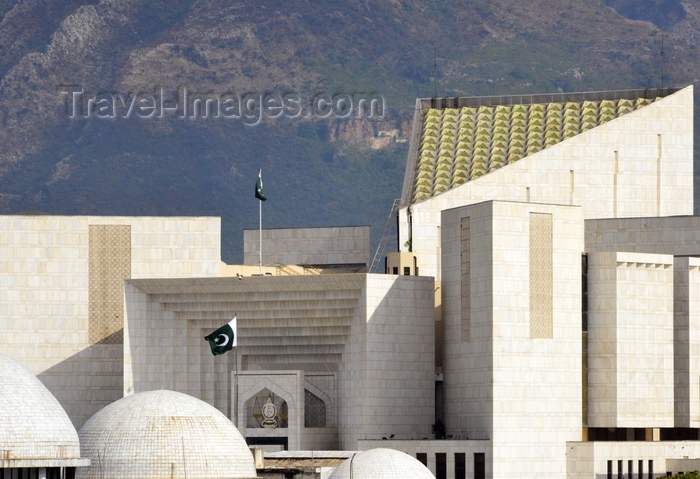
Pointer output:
x,y
461,144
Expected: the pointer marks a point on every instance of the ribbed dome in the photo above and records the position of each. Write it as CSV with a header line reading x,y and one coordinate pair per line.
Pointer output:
x,y
34,425
382,464
158,434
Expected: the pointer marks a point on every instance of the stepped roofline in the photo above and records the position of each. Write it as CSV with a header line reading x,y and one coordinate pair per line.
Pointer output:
x,y
441,103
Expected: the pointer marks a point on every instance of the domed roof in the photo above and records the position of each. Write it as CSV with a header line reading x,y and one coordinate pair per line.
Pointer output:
x,y
384,464
158,434
34,425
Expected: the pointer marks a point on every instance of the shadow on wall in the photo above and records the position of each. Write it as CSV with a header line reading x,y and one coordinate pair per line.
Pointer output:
x,y
89,380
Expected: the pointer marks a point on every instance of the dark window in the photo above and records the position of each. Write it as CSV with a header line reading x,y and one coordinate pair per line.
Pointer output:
x,y
407,271
605,434
479,465
630,469
679,434
395,270
651,469
619,470
640,469
460,465
422,458
268,441
610,470
440,465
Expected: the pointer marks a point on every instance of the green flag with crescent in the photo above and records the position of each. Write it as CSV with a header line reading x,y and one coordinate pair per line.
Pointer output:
x,y
223,339
259,188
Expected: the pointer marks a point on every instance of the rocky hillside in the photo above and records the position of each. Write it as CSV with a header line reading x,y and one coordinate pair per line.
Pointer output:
x,y
162,107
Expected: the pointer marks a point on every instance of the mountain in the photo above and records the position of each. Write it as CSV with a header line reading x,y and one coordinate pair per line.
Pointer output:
x,y
151,107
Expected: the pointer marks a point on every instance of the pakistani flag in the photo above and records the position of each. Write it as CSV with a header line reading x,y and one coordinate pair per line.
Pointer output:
x,y
223,339
258,188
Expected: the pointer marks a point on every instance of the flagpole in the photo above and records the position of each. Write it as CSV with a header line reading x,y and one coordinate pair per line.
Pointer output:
x,y
235,404
259,195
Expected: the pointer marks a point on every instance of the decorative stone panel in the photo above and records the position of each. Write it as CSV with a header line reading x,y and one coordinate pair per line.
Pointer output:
x,y
541,276
109,266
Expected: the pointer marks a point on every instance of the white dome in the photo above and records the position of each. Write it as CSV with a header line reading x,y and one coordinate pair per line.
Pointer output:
x,y
382,464
34,425
158,434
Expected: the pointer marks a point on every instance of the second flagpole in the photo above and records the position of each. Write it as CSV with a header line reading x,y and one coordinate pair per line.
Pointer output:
x,y
260,196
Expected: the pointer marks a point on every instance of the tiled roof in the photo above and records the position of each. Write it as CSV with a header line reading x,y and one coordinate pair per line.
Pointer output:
x,y
461,144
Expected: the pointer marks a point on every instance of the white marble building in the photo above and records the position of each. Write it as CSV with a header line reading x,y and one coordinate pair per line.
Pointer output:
x,y
343,357
559,227
638,163
62,293
545,324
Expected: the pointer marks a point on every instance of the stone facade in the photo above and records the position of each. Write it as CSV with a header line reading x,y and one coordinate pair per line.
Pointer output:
x,y
513,376
362,344
61,293
308,246
630,337
640,164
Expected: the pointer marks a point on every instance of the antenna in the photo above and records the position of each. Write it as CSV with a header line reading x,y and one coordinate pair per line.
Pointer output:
x,y
435,69
662,61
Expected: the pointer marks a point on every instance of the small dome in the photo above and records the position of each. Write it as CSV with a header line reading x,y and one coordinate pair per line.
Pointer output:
x,y
158,434
384,464
34,425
